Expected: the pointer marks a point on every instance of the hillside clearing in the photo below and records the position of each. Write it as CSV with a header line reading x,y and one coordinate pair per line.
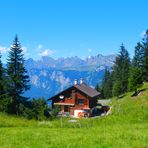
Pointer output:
x,y
126,129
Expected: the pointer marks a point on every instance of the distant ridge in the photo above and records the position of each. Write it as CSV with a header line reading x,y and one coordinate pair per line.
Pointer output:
x,y
71,62
48,76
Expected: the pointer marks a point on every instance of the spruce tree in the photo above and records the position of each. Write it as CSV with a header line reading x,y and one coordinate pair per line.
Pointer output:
x,y
145,47
107,84
137,69
121,70
4,98
117,88
17,76
1,78
135,79
98,88
138,59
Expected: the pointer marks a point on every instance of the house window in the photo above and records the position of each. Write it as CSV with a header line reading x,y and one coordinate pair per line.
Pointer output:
x,y
80,101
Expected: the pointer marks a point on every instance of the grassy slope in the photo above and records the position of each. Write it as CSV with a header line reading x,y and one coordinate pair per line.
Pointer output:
x,y
128,129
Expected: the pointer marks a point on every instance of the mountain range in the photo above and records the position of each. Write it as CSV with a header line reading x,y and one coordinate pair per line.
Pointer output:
x,y
49,76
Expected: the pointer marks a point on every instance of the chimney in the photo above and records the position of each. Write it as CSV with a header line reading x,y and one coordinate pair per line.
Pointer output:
x,y
81,81
75,82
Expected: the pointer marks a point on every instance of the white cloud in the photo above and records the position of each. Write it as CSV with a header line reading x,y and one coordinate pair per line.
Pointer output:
x,y
142,34
24,49
89,50
47,52
3,49
40,46
6,49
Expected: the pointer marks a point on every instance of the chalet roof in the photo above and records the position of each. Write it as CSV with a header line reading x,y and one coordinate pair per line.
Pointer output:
x,y
87,90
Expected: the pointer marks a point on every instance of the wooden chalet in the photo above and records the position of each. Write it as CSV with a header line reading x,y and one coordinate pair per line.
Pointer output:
x,y
76,100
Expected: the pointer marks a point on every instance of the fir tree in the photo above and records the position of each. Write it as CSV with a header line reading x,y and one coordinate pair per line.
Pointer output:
x,y
1,77
39,107
107,84
121,70
137,69
4,98
145,47
138,59
135,79
98,88
117,88
17,76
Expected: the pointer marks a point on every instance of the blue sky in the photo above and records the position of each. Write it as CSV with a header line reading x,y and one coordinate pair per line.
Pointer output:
x,y
64,28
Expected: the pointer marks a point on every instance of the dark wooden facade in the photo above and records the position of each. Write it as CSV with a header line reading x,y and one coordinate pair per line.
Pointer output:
x,y
77,97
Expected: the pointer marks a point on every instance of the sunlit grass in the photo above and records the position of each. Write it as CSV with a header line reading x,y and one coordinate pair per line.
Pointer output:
x,y
127,128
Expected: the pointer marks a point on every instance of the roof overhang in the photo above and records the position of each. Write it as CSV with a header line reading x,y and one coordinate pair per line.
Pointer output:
x,y
69,104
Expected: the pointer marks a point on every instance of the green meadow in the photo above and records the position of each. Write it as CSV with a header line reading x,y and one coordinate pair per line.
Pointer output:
x,y
127,128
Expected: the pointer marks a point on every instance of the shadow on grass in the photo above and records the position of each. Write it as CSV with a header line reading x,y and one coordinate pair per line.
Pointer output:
x,y
138,92
121,96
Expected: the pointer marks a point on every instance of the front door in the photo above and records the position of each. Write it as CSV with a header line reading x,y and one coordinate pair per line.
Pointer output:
x,y
66,108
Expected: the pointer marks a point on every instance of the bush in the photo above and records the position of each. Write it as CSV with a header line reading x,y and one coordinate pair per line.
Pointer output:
x,y
5,102
54,112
